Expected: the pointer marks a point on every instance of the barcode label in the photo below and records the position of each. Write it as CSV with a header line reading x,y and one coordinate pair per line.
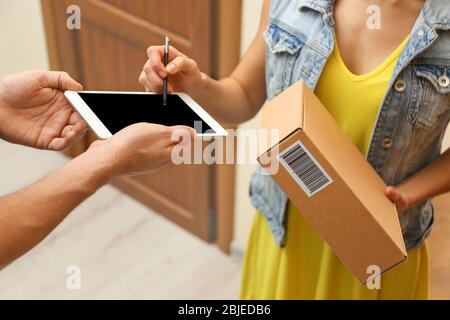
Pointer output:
x,y
304,168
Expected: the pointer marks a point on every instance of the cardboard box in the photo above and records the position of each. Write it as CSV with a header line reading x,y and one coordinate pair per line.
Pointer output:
x,y
332,184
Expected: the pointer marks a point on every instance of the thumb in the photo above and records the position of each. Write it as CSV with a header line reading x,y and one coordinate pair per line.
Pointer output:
x,y
182,135
393,194
182,64
62,81
95,144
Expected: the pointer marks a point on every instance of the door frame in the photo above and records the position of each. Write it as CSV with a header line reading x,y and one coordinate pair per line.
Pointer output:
x,y
226,40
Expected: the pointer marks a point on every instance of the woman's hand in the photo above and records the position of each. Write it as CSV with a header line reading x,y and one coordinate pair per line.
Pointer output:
x,y
184,73
35,113
231,100
399,198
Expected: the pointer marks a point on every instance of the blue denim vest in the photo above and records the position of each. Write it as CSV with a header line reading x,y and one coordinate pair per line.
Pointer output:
x,y
413,116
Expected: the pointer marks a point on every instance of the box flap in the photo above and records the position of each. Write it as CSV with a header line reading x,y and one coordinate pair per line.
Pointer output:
x,y
285,112
320,126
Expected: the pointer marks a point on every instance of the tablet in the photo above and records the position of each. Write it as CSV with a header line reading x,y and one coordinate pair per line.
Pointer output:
x,y
106,113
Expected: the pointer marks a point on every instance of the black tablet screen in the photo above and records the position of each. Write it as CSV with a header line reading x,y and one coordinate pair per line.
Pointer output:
x,y
117,111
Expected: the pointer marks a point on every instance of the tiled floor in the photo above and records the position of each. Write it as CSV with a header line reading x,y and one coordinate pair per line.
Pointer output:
x,y
126,251
123,249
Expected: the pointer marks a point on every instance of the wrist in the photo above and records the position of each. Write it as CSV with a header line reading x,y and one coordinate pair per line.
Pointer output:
x,y
404,189
92,171
201,86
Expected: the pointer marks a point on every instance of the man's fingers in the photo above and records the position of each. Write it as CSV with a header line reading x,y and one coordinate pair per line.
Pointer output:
x,y
59,144
75,118
182,134
66,130
80,128
60,80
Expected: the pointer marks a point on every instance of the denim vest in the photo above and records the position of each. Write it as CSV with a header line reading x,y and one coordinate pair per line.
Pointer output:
x,y
413,115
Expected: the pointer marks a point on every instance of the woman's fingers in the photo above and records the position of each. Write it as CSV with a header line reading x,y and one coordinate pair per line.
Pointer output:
x,y
154,71
155,62
153,82
150,87
156,59
393,194
181,64
398,198
144,81
156,53
177,62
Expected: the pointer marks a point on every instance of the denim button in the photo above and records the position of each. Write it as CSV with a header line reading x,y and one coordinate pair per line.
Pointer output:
x,y
444,81
421,33
387,143
400,86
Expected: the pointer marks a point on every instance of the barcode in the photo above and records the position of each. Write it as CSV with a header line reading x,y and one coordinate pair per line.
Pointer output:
x,y
305,169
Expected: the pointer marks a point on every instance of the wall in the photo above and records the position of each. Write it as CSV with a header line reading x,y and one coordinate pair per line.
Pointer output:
x,y
244,211
22,35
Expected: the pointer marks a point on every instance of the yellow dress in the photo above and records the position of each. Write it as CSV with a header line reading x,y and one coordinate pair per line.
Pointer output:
x,y
306,268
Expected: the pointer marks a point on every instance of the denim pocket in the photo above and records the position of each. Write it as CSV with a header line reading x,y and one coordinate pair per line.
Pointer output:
x,y
433,93
283,49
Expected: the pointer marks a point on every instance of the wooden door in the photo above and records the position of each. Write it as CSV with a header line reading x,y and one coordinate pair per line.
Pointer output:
x,y
108,53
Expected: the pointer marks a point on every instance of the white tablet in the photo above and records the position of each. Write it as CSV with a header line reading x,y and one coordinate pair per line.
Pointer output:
x,y
107,113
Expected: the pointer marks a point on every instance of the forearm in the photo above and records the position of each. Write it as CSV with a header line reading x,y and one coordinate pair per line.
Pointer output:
x,y
240,96
29,215
227,100
428,183
3,118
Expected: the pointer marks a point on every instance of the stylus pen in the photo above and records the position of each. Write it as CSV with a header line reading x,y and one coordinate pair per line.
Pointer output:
x,y
166,62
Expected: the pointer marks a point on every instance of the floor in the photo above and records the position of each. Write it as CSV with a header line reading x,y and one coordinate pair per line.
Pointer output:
x,y
125,251
440,250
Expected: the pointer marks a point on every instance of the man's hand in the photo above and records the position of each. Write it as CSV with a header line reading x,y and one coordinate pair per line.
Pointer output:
x,y
35,113
399,198
142,148
29,215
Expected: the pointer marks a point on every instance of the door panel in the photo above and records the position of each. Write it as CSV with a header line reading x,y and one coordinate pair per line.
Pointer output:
x,y
108,54
168,11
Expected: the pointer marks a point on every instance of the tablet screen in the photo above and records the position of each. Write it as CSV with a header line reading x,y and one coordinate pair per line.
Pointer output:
x,y
118,111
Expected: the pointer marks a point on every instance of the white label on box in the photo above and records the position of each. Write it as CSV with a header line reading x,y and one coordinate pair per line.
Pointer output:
x,y
304,169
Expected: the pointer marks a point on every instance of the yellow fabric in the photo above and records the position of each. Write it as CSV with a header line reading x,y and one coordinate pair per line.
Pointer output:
x,y
306,268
